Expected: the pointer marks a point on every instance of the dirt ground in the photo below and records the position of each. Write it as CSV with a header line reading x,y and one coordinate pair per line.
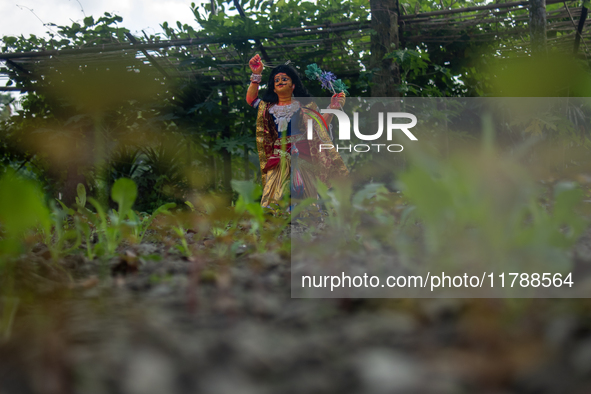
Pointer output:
x,y
142,325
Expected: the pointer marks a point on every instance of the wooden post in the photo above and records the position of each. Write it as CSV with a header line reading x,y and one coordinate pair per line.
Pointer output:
x,y
246,163
226,155
584,12
537,26
384,21
210,163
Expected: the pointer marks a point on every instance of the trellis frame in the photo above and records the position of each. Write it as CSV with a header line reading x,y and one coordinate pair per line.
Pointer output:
x,y
438,27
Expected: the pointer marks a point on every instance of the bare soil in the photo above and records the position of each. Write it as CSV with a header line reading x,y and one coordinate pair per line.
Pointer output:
x,y
138,325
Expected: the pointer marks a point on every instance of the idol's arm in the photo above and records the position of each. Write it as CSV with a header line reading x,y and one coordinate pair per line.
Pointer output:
x,y
252,93
336,102
256,66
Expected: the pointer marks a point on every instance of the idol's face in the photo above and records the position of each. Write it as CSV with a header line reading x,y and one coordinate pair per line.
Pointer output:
x,y
283,83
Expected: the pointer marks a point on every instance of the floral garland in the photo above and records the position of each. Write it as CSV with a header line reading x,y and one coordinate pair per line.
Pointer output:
x,y
283,114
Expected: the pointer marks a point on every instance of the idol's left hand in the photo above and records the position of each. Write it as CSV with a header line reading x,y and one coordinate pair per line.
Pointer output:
x,y
337,100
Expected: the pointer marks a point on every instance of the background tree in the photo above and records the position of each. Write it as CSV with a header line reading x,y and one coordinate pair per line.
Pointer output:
x,y
171,114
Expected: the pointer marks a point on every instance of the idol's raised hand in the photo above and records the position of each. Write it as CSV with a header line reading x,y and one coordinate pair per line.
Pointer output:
x,y
337,100
256,64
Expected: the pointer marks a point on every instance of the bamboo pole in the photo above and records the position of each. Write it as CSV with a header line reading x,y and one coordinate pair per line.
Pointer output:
x,y
475,8
556,14
327,25
149,57
14,89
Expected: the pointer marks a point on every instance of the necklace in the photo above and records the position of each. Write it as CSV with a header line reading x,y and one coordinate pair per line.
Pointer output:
x,y
283,114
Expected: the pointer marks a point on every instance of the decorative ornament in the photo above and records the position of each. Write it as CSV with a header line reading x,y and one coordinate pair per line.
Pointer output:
x,y
283,114
339,86
313,71
256,78
326,78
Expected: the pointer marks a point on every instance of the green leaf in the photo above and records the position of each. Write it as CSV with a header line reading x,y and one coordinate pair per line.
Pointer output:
x,y
81,199
88,21
369,191
124,193
567,196
161,209
249,191
190,205
65,208
21,206
101,213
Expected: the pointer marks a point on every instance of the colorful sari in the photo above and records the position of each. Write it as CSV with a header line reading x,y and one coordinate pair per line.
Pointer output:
x,y
303,161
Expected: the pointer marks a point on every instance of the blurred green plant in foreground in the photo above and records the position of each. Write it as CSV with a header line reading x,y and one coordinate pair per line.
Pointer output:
x,y
477,209
487,211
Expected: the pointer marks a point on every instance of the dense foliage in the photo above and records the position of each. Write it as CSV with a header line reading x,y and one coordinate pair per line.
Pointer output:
x,y
98,117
